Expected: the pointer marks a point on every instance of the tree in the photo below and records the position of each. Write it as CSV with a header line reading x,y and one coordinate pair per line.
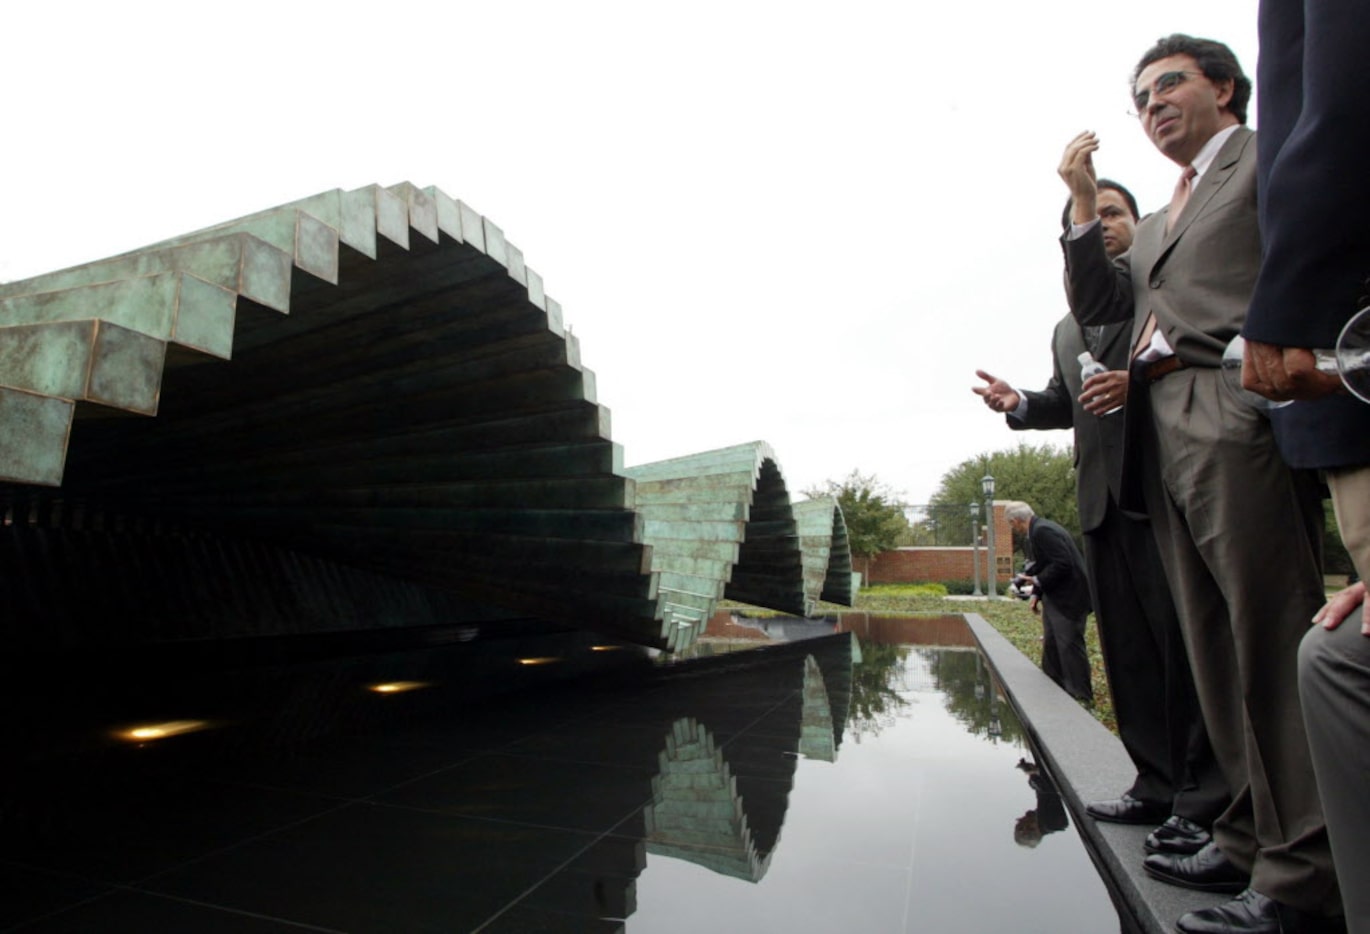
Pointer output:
x,y
875,699
1043,476
873,513
972,695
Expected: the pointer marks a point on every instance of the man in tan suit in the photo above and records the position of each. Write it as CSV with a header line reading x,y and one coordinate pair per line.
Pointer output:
x,y
1237,529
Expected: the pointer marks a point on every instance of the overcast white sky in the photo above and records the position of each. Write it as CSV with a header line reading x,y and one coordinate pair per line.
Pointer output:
x,y
800,223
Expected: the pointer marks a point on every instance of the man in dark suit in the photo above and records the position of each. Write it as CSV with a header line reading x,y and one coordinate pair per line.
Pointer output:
x,y
1178,780
1235,526
1062,588
1049,816
1315,228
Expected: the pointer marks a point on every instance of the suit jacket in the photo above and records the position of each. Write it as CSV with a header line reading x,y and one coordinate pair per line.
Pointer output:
x,y
1315,209
1098,439
1196,279
1060,568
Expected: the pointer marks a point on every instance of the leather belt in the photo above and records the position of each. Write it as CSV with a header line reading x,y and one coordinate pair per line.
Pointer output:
x,y
1151,372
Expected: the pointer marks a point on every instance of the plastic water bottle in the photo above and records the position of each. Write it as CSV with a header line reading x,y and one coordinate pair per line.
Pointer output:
x,y
1091,367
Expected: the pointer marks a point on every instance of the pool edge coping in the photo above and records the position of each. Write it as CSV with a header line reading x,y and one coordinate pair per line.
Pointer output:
x,y
1089,764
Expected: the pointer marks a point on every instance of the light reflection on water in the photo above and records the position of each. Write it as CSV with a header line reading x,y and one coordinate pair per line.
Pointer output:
x,y
814,785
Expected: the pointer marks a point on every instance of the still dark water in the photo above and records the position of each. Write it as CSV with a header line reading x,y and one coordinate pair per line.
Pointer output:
x,y
788,780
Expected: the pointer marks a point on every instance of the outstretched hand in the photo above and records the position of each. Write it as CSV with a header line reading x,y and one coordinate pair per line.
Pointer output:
x,y
998,395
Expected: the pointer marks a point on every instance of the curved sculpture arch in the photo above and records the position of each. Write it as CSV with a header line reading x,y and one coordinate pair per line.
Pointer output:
x,y
355,411
720,524
827,553
696,813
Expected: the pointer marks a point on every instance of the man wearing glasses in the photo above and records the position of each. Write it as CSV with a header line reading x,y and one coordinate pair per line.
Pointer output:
x,y
1239,532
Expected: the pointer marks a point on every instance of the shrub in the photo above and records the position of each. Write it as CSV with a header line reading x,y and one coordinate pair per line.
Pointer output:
x,y
909,590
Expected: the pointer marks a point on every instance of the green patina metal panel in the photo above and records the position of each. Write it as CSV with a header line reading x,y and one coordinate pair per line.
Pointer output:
x,y
422,209
264,274
126,369
34,436
355,220
448,213
145,303
472,227
52,359
316,247
238,262
204,317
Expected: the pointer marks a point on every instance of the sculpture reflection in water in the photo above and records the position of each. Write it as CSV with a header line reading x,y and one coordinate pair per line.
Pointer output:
x,y
721,805
694,761
448,811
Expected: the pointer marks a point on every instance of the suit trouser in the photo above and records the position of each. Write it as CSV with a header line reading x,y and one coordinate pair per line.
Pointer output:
x,y
1064,659
1234,525
1334,683
1148,672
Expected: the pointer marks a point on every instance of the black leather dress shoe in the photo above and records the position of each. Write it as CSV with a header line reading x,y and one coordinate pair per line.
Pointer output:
x,y
1207,870
1253,913
1127,810
1177,835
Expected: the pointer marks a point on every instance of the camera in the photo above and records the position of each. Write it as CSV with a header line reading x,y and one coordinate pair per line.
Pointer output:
x,y
1022,586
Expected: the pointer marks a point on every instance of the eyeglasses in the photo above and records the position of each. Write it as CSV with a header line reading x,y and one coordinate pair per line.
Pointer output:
x,y
1163,84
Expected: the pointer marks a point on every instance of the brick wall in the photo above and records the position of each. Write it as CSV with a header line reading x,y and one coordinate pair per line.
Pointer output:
x,y
917,565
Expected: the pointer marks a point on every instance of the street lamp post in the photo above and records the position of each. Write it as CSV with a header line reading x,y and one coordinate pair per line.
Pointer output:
x,y
991,578
975,548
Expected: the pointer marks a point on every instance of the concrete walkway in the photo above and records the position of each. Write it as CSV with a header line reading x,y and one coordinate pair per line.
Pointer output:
x,y
1089,764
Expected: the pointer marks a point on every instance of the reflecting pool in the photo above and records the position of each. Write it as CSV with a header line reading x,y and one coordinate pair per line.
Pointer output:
x,y
792,778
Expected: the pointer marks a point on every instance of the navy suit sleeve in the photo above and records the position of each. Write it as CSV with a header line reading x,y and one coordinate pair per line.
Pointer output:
x,y
1314,199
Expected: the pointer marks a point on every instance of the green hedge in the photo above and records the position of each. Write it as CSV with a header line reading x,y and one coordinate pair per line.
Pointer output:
x,y
911,590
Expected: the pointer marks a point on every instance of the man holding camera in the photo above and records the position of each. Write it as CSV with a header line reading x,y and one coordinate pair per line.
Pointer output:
x,y
1062,589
